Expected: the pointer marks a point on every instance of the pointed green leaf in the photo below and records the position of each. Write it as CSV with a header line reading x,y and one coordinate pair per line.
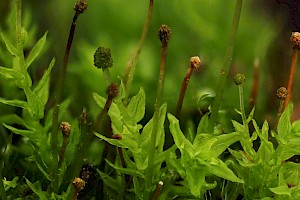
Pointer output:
x,y
203,125
32,135
136,106
10,47
35,104
37,189
195,178
284,124
128,171
109,181
220,169
223,142
36,50
16,103
181,142
125,142
42,88
238,127
282,190
11,73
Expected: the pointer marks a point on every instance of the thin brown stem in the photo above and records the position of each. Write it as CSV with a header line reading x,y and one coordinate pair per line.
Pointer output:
x,y
132,62
62,151
60,86
158,190
291,78
184,85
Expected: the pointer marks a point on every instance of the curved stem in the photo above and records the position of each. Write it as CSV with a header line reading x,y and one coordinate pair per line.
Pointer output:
x,y
291,78
184,85
226,66
130,69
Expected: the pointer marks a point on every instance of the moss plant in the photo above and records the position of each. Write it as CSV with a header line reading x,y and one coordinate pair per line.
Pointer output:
x,y
79,8
226,65
164,35
295,40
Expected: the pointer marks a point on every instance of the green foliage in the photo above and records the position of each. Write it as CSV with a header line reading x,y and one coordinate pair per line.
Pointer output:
x,y
240,158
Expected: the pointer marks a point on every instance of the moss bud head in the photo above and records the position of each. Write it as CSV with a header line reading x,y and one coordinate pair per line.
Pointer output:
x,y
65,129
112,90
195,62
164,34
281,93
80,6
102,58
295,40
239,79
78,184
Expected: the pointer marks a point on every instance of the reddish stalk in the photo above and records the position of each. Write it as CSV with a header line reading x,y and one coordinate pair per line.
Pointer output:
x,y
80,7
295,40
194,64
158,190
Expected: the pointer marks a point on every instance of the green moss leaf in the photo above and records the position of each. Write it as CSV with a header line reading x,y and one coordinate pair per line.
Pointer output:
x,y
8,43
8,73
31,134
42,88
36,50
136,106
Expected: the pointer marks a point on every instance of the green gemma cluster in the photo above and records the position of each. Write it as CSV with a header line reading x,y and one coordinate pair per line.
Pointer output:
x,y
103,58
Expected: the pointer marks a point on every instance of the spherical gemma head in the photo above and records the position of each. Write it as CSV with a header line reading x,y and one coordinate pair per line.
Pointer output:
x,y
103,58
239,79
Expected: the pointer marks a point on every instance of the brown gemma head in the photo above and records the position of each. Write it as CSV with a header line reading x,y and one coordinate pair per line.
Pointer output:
x,y
295,40
65,129
78,184
112,90
195,62
80,6
164,34
281,93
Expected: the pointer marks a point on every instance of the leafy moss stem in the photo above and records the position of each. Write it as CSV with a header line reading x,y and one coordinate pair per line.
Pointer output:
x,y
226,65
164,35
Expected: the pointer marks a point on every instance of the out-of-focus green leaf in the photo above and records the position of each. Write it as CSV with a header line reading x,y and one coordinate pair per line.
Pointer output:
x,y
10,184
281,190
42,88
128,171
32,135
16,103
109,181
35,104
36,50
37,189
10,47
11,73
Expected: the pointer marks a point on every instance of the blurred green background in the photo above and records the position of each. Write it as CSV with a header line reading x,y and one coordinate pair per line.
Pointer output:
x,y
200,27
